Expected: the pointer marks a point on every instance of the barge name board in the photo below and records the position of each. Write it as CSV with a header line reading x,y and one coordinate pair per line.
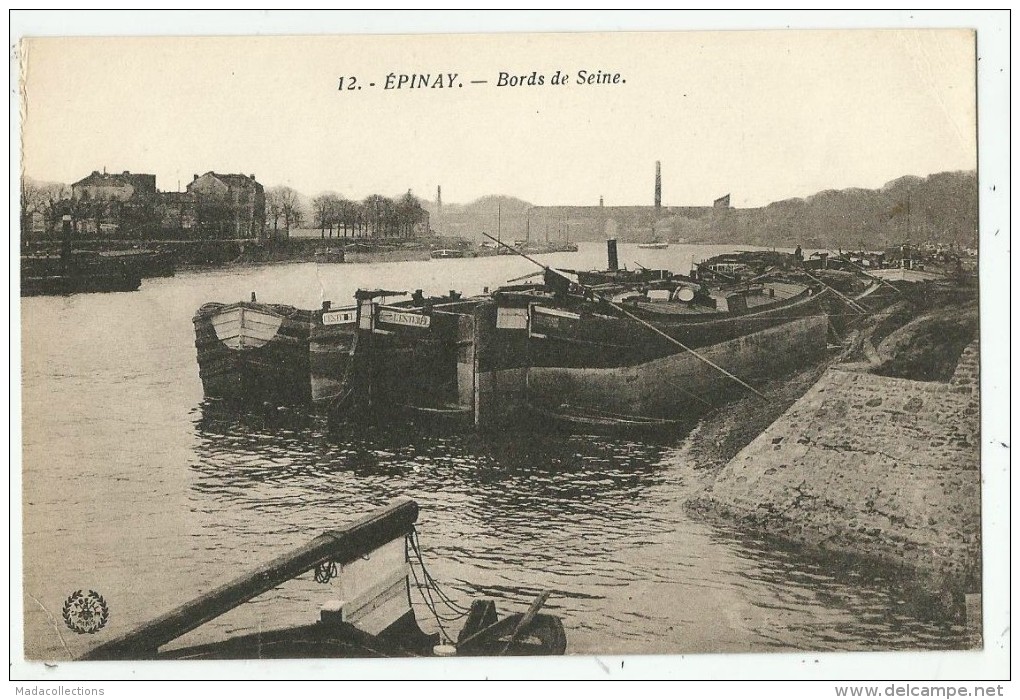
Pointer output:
x,y
511,318
402,318
340,317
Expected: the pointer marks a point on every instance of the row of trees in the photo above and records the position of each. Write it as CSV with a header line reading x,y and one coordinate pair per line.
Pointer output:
x,y
373,216
285,209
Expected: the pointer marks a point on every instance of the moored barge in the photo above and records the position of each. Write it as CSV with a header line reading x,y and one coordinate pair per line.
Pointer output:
x,y
253,353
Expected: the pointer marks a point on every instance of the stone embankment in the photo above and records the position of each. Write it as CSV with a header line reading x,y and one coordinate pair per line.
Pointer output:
x,y
884,469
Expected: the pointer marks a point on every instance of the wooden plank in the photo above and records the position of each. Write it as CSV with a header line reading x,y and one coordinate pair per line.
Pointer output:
x,y
357,539
533,609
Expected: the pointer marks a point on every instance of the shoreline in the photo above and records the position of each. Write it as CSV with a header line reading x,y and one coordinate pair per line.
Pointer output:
x,y
870,464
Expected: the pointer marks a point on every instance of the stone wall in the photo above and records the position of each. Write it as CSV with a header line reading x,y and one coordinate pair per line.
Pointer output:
x,y
877,467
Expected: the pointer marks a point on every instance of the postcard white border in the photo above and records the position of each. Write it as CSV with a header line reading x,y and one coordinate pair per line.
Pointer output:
x,y
993,168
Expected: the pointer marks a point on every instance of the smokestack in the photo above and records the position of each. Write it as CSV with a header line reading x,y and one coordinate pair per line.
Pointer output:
x,y
658,186
439,197
614,260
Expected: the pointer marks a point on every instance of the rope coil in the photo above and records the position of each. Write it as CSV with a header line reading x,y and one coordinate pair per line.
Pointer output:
x,y
325,571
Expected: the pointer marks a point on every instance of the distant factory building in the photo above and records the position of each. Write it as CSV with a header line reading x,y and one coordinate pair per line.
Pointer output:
x,y
627,223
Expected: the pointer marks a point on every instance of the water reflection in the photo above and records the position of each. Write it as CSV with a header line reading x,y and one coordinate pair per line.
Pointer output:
x,y
134,486
598,521
809,593
557,477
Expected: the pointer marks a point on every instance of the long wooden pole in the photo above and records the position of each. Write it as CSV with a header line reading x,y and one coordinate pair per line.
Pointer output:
x,y
649,326
850,302
357,539
715,272
523,255
875,277
676,342
533,609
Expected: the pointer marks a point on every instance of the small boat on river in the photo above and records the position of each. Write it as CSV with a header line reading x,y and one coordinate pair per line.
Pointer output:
x,y
445,253
654,245
80,271
370,563
253,353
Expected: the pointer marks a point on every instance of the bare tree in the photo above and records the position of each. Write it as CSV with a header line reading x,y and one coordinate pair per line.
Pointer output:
x,y
352,216
290,203
324,211
283,203
274,212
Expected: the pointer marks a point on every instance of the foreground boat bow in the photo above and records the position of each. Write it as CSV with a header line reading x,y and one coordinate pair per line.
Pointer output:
x,y
370,559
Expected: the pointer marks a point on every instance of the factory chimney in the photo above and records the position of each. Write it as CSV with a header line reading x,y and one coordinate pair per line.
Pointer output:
x,y
658,186
439,197
614,259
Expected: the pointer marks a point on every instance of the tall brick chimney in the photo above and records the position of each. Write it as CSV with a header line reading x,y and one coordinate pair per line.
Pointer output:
x,y
658,186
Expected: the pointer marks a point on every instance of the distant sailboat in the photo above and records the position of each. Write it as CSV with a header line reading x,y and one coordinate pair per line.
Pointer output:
x,y
656,245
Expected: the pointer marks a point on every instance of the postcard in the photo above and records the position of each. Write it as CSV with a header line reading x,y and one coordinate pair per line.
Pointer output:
x,y
594,349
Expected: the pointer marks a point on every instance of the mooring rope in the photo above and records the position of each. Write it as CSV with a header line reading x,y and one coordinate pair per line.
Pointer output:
x,y
416,546
428,585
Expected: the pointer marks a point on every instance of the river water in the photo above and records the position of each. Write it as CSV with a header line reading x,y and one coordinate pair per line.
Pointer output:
x,y
136,488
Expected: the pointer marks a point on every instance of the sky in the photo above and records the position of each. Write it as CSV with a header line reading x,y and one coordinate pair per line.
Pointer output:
x,y
761,115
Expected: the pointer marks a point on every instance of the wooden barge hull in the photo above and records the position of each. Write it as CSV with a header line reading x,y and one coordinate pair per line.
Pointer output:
x,y
562,338
679,386
371,558
252,352
494,362
417,370
405,360
332,343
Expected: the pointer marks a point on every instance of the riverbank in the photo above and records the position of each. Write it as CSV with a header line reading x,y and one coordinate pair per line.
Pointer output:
x,y
211,254
876,463
214,254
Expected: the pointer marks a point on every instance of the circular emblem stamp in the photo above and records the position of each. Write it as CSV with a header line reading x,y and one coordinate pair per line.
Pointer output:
x,y
85,613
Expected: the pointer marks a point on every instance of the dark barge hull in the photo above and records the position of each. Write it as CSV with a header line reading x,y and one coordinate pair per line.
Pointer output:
x,y
251,352
332,344
613,365
575,367
38,285
406,363
679,386
144,263
513,362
